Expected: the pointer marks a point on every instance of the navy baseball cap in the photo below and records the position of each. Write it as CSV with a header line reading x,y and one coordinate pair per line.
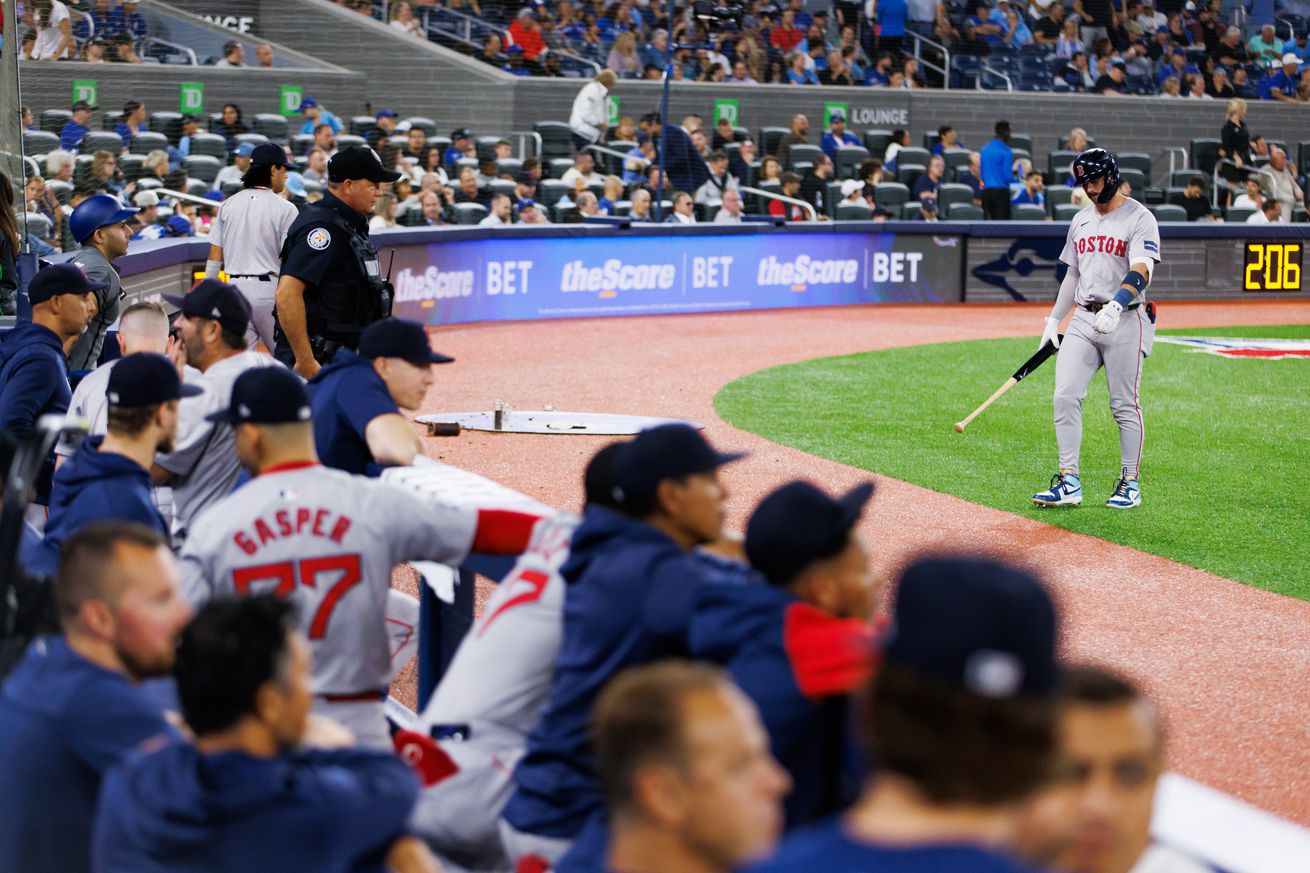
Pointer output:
x,y
60,279
307,103
217,301
386,113
460,133
526,203
399,338
358,162
266,395
975,623
146,379
799,524
669,451
269,155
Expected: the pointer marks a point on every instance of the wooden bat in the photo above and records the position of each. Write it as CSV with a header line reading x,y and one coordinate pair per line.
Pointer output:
x,y
1027,367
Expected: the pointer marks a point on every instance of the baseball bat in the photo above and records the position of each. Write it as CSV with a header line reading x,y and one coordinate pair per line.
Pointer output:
x,y
1025,368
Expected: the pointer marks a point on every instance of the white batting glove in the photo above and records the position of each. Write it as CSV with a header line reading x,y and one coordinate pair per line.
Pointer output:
x,y
1051,333
1108,318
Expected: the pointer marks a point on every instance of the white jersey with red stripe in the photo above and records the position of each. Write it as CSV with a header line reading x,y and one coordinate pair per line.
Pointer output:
x,y
1104,247
328,540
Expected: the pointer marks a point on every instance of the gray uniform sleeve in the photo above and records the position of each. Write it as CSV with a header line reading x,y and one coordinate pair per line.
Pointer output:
x,y
195,563
1144,243
426,529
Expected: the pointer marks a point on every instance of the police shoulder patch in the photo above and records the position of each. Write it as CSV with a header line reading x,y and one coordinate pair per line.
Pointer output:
x,y
319,239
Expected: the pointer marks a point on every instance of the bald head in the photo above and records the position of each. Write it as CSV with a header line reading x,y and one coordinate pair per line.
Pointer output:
x,y
143,327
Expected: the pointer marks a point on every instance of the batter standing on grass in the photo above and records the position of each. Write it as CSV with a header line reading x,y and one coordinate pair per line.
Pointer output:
x,y
1113,236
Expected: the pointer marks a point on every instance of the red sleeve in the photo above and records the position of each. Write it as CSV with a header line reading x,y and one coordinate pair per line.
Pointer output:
x,y
430,762
828,655
503,531
777,207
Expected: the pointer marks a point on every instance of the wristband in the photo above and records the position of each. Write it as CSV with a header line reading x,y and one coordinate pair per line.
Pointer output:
x,y
212,269
1134,284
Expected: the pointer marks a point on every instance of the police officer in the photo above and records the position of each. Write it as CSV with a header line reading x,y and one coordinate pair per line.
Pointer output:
x,y
99,225
331,286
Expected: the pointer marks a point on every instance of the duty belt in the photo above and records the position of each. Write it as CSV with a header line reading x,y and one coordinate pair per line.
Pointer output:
x,y
1097,307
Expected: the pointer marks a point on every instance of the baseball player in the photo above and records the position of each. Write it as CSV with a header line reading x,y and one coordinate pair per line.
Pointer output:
x,y
491,695
247,236
328,540
1113,245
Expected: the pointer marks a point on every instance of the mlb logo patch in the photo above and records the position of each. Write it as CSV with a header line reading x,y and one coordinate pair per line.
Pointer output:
x,y
1231,347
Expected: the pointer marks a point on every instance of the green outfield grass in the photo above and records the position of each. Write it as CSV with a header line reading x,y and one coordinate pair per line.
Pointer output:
x,y
1225,473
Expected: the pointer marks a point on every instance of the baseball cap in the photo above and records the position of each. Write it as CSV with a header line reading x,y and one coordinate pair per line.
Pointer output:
x,y
296,184
669,451
1291,58
307,103
975,623
460,133
526,203
179,225
836,115
217,301
146,379
790,176
850,186
216,196
146,199
246,150
799,524
358,162
386,113
399,338
269,155
60,279
525,179
266,395
84,106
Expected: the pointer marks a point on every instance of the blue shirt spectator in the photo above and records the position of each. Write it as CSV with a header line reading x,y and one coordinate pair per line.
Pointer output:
x,y
997,164
316,114
70,138
125,133
346,395
803,76
64,722
891,18
1025,196
1283,82
1017,33
129,21
837,136
1300,48
978,21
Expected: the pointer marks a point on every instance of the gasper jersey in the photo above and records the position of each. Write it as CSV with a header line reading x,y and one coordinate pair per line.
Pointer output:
x,y
1104,247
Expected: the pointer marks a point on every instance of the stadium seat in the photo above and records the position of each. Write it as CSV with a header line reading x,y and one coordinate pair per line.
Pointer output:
x,y
889,195
1057,194
1027,212
953,192
111,119
1204,152
427,124
853,212
197,188
1057,166
1169,212
53,120
1135,161
1180,178
965,212
231,186
1239,213
1066,211
272,126
621,209
611,164
955,158
63,191
831,197
349,140
148,184
556,139
255,139
485,147
848,161
167,123
36,224
549,191
502,186
559,166
469,213
769,139
209,144
362,124
1133,177
146,142
800,154
1021,141
104,141
39,142
132,166
912,155
301,143
510,166
1303,156
203,167
908,174
876,141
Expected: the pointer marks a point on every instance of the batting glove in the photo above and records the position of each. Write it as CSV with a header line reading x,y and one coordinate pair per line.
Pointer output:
x,y
1051,334
1108,318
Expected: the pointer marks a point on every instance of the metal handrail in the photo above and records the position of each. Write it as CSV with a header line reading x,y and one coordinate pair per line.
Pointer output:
x,y
467,23
1173,152
986,68
182,195
945,69
187,50
808,207
523,136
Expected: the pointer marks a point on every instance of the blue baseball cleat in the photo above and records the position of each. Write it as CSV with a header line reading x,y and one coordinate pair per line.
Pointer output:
x,y
1127,494
1065,490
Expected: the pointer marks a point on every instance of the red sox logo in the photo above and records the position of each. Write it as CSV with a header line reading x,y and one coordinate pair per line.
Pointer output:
x,y
1078,170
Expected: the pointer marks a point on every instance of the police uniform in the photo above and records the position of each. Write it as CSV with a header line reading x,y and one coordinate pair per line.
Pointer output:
x,y
328,249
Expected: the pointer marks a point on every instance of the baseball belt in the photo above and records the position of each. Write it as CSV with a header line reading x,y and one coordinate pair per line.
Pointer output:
x,y
1095,307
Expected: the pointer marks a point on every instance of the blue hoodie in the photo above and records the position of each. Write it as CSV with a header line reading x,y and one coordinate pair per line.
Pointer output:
x,y
179,811
93,486
33,378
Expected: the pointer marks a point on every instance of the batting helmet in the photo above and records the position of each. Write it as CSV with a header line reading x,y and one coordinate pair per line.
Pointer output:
x,y
1098,164
96,212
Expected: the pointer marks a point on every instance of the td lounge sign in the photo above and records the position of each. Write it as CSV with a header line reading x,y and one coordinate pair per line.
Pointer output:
x,y
868,116
240,16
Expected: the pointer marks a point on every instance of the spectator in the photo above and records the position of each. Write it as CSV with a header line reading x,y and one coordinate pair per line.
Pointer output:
x,y
1069,42
315,115
798,71
382,130
461,146
203,467
879,74
797,135
947,139
995,162
1195,84
9,247
1242,86
108,478
688,729
791,187
1193,200
1178,35
146,221
613,194
403,20
240,164
730,208
1220,88
852,191
1030,190
640,205
325,139
1050,27
1269,213
1171,87
719,182
134,121
54,33
316,166
76,129
59,166
1078,75
1252,197
232,125
837,135
682,162
786,37
623,60
1112,81
1231,50
500,212
155,165
105,22
742,161
531,213
430,202
1017,33
814,186
584,168
525,34
264,55
900,139
741,72
234,55
1283,187
927,210
1281,86
493,51
384,212
416,145
837,71
468,191
1265,46
71,709
684,211
972,176
624,131
245,794
890,15
944,734
930,180
588,117
131,23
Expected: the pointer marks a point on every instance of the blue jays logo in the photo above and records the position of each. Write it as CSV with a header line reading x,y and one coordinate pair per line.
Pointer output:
x,y
1025,257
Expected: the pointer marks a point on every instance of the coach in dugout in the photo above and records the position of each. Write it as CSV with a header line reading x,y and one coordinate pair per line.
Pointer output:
x,y
358,397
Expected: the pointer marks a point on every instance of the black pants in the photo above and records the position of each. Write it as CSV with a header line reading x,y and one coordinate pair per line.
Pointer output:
x,y
996,204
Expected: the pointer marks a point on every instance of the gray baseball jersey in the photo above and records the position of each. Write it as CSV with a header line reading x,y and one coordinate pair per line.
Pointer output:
x,y
86,351
250,228
328,540
90,404
1103,247
204,459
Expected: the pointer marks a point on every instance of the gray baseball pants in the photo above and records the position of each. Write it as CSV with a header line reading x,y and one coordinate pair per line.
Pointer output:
x,y
1122,353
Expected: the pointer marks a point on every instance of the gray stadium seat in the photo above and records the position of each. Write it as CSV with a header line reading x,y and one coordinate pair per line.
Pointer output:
x,y
1066,211
469,213
512,166
909,209
953,192
104,141
1169,212
255,139
912,155
39,142
848,161
36,224
551,190
485,147
209,144
1027,212
133,166
803,153
202,167
1133,177
769,139
1135,161
362,124
272,126
427,124
231,186
853,212
556,139
112,118
349,140
559,166
876,141
908,174
1021,141
1239,213
146,142
167,123
53,120
955,158
301,143
889,195
63,191
965,212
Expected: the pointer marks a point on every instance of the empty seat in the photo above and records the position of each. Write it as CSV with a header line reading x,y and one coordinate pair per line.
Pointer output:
x,y
890,194
1057,166
1180,178
148,141
1021,141
848,161
560,166
1027,212
53,120
113,118
209,144
909,210
549,191
1066,211
301,143
502,186
231,186
104,141
167,123
876,142
1169,212
272,126
133,166
1239,213
1135,161
469,213
965,212
1133,177
349,140
953,192
39,142
203,167
908,174
955,158
362,124
853,212
36,224
509,166
1057,195
485,147
556,139
770,138
912,155
254,139
63,191
800,154
1204,152
197,188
